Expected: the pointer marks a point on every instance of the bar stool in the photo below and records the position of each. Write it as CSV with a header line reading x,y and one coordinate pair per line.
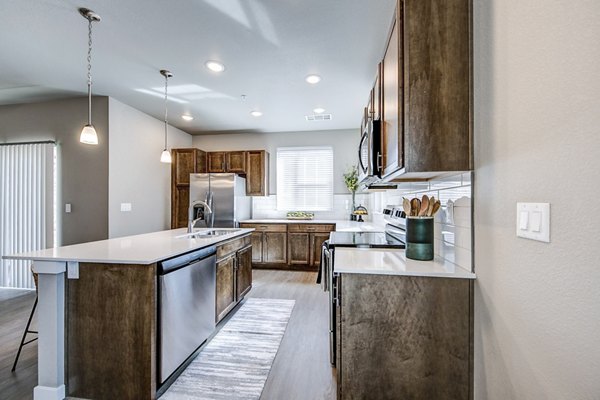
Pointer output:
x,y
23,342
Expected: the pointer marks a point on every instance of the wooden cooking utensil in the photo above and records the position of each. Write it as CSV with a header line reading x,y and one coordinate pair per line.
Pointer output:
x,y
435,208
430,208
415,205
424,206
406,206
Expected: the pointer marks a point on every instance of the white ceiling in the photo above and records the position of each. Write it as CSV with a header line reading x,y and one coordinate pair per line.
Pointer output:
x,y
267,46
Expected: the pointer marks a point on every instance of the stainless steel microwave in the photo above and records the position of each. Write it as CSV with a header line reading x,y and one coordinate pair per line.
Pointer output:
x,y
369,153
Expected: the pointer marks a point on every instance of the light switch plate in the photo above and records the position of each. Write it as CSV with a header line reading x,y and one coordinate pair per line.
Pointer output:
x,y
68,207
533,221
125,207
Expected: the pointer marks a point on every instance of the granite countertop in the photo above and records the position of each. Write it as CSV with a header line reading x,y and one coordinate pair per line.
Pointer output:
x,y
139,249
393,262
340,225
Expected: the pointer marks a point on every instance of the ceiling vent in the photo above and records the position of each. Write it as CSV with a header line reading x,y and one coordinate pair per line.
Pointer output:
x,y
319,117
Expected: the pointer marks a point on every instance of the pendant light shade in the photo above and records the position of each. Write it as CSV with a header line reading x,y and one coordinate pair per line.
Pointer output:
x,y
88,133
165,157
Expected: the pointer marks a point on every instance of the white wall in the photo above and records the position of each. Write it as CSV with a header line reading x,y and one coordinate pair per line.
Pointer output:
x,y
537,138
344,143
136,175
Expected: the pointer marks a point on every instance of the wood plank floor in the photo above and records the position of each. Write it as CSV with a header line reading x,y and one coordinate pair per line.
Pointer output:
x,y
15,306
301,370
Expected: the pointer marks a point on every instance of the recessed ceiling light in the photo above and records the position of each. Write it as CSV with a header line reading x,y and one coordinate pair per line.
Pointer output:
x,y
187,117
256,113
312,79
215,66
319,110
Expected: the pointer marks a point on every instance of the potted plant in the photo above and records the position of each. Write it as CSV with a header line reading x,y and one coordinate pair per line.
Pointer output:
x,y
351,181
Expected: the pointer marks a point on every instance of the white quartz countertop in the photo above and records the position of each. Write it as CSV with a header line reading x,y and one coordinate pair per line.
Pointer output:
x,y
340,225
393,262
139,249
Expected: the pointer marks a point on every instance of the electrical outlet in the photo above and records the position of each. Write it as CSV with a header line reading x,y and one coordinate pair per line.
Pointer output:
x,y
125,207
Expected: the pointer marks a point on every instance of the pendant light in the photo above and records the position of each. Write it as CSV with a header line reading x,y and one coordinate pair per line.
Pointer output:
x,y
165,157
88,133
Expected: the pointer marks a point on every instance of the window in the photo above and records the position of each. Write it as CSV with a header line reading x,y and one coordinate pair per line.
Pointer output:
x,y
305,178
27,207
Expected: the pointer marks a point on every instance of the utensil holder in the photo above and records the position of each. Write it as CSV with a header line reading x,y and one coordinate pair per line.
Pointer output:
x,y
419,238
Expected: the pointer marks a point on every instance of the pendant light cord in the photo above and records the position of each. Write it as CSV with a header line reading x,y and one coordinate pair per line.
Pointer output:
x,y
166,115
89,71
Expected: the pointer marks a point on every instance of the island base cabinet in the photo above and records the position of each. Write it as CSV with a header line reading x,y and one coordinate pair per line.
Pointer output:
x,y
111,332
243,272
234,274
402,337
225,286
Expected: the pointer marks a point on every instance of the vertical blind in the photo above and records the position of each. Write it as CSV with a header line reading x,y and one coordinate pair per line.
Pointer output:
x,y
305,178
26,207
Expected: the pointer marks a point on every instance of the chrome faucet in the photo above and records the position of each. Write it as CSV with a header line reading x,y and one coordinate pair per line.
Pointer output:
x,y
192,222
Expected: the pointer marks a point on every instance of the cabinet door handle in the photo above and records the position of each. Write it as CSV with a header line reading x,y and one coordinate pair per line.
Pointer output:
x,y
379,162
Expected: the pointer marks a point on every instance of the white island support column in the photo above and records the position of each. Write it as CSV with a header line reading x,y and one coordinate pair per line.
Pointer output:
x,y
51,328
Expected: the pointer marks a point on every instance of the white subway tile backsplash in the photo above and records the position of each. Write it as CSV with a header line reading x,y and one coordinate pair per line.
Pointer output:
x,y
452,236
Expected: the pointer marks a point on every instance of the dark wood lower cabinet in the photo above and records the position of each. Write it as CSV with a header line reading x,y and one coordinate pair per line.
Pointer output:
x,y
275,247
402,337
299,248
316,241
234,274
225,286
256,239
288,246
243,272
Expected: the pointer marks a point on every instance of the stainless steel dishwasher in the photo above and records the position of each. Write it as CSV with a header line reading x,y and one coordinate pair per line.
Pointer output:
x,y
186,307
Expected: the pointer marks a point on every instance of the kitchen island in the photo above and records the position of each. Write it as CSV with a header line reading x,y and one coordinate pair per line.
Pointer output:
x,y
98,312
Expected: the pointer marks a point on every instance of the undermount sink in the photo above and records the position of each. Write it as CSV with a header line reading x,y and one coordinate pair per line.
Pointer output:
x,y
206,233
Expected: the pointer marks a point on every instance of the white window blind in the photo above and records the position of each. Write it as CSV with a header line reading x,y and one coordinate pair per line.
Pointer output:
x,y
305,178
26,207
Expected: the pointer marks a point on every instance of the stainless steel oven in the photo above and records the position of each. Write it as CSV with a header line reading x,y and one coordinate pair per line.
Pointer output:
x,y
369,153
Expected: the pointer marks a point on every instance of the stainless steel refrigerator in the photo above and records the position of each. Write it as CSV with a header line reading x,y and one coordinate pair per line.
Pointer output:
x,y
226,197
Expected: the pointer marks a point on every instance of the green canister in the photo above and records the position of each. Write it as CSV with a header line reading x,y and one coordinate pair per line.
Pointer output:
x,y
419,238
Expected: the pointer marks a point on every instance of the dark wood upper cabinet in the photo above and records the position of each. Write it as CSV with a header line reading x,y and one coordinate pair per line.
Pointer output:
x,y
257,173
217,161
376,94
392,127
184,162
236,162
427,90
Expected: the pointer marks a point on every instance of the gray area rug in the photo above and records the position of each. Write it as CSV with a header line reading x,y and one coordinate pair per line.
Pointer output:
x,y
236,363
